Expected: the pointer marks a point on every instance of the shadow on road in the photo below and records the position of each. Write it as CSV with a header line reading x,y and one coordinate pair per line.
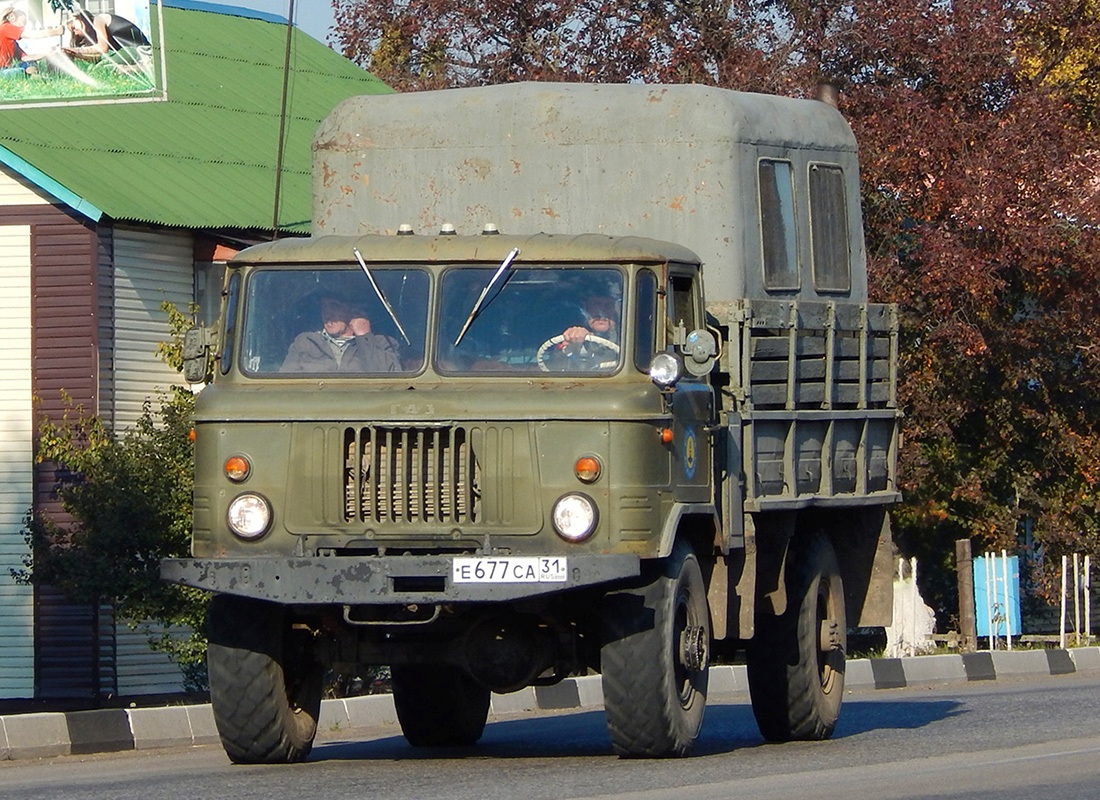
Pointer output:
x,y
726,728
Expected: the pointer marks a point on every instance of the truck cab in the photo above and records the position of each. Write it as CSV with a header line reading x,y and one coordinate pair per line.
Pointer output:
x,y
479,433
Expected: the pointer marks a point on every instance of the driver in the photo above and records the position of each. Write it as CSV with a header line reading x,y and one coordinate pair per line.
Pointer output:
x,y
601,321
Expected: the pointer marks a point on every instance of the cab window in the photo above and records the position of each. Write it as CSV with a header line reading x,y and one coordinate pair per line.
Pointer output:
x,y
534,319
681,303
334,322
645,322
229,334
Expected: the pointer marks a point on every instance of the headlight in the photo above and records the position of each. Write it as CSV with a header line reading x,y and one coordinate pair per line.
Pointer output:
x,y
574,517
665,369
249,516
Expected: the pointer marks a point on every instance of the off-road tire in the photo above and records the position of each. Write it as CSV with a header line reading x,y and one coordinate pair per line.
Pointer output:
x,y
265,686
655,660
438,705
796,660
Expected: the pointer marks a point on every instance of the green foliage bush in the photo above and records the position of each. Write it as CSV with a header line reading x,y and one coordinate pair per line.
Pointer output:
x,y
129,497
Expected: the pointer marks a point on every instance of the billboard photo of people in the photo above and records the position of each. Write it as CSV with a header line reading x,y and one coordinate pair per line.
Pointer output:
x,y
64,51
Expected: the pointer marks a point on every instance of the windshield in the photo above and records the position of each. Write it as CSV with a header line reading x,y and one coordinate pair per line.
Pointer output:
x,y
328,321
556,320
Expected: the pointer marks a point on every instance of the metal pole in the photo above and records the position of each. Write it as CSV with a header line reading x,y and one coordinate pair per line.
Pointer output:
x,y
282,122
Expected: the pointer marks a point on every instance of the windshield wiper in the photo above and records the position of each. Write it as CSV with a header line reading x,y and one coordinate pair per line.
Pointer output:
x,y
508,259
381,295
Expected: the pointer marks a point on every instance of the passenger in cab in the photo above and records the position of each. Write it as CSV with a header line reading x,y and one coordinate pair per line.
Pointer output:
x,y
345,343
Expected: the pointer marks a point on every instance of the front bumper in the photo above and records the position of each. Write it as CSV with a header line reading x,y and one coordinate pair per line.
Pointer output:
x,y
378,580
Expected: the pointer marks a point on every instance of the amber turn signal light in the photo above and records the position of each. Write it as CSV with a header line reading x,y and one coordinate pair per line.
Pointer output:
x,y
237,468
587,469
666,435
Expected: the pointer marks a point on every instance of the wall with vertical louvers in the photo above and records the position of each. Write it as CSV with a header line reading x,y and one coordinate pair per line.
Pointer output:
x,y
149,267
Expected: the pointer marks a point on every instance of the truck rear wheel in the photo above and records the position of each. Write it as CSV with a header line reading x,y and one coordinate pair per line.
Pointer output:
x,y
265,685
438,705
796,660
655,658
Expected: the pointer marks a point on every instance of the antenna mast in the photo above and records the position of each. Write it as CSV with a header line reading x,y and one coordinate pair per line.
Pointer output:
x,y
282,122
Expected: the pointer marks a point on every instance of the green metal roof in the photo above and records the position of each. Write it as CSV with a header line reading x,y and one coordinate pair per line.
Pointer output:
x,y
205,158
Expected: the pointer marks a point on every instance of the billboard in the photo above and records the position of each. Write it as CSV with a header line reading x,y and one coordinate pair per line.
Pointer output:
x,y
55,52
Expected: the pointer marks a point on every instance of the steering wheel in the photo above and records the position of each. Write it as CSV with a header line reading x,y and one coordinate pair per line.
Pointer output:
x,y
591,338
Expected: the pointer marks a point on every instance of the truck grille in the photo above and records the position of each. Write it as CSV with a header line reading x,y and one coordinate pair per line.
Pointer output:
x,y
410,475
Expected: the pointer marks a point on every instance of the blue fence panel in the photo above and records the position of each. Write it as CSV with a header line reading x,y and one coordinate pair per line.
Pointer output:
x,y
992,586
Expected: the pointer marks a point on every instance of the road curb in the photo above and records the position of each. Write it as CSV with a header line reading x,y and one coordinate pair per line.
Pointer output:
x,y
44,735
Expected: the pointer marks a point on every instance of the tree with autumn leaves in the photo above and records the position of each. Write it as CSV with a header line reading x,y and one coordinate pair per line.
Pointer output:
x,y
980,149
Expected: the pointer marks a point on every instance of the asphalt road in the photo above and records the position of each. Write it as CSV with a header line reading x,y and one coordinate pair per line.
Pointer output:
x,y
1033,738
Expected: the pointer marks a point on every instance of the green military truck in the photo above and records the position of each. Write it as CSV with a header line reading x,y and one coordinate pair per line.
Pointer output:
x,y
542,448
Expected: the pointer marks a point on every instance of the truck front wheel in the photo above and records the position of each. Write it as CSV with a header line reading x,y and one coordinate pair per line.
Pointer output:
x,y
655,660
796,659
438,705
265,685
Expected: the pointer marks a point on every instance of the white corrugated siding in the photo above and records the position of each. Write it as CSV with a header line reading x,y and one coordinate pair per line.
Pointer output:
x,y
149,268
16,460
15,190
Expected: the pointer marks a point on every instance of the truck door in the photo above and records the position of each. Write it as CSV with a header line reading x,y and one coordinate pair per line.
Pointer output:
x,y
692,402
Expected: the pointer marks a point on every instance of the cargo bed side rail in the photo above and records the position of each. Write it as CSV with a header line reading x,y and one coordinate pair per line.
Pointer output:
x,y
812,388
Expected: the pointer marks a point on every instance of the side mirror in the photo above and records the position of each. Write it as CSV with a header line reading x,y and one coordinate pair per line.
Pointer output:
x,y
699,349
197,364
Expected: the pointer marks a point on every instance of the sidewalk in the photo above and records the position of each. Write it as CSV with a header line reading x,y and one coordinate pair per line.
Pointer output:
x,y
42,735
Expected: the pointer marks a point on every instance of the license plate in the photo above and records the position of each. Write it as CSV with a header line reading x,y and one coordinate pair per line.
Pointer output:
x,y
518,569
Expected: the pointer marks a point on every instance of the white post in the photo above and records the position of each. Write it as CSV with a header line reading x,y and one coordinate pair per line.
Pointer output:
x,y
1062,628
1007,607
1088,602
989,590
1076,595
